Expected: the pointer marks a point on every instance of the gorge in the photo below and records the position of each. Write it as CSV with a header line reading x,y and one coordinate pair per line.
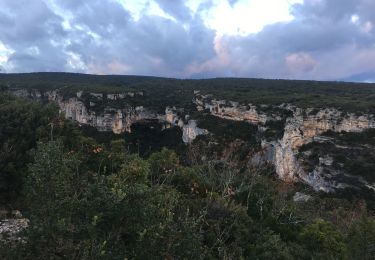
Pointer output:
x,y
299,127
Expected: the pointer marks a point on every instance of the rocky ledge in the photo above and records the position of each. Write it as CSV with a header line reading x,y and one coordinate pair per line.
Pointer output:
x,y
303,127
117,120
11,226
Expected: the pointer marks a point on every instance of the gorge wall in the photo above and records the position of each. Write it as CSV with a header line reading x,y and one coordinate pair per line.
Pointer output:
x,y
117,120
303,127
299,127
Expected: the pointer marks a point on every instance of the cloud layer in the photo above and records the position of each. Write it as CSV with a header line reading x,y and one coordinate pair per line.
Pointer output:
x,y
327,39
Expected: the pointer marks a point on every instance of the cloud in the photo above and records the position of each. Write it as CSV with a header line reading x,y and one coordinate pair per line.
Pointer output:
x,y
321,42
34,33
176,8
152,45
300,62
326,39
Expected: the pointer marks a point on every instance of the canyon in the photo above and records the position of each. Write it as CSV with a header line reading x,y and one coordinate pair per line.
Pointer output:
x,y
303,127
299,127
117,120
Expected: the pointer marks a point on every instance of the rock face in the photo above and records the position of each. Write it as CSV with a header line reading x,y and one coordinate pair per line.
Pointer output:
x,y
11,227
113,119
190,130
302,129
301,197
121,120
230,110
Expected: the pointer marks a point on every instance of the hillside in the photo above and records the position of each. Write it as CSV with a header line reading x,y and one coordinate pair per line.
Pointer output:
x,y
345,95
140,167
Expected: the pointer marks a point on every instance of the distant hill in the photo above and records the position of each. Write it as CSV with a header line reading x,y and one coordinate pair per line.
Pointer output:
x,y
355,97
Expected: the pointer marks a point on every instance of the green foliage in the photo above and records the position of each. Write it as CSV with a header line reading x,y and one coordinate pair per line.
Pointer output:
x,y
135,170
322,239
163,164
22,124
87,200
361,239
50,178
227,130
75,213
269,245
190,181
162,92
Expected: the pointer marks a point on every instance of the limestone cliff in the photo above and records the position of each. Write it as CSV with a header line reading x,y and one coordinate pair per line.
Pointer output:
x,y
121,120
303,127
230,110
190,130
299,126
114,119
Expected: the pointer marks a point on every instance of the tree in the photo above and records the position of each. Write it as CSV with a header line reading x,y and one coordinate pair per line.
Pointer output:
x,y
323,240
163,164
361,239
22,125
269,245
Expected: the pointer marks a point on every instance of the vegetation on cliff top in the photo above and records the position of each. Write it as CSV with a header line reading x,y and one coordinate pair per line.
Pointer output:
x,y
162,92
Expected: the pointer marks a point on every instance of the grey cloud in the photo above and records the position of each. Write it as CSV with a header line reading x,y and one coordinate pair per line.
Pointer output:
x,y
330,10
34,33
101,17
104,37
322,42
152,45
28,21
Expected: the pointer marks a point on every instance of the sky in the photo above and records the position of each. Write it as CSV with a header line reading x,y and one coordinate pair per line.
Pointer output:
x,y
291,39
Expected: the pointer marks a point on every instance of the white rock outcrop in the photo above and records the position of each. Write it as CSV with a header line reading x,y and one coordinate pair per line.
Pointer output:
x,y
301,197
190,131
116,120
302,129
11,227
230,110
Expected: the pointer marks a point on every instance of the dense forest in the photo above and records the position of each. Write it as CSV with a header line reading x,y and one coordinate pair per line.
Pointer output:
x,y
90,195
160,92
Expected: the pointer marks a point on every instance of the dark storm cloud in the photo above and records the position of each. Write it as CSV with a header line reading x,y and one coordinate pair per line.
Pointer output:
x,y
328,39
